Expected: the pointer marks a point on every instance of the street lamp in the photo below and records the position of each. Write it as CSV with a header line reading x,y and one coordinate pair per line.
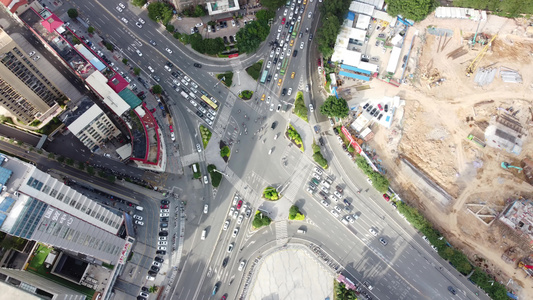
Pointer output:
x,y
215,170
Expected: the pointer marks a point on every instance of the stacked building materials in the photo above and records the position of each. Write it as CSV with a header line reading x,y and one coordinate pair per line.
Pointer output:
x,y
510,75
485,76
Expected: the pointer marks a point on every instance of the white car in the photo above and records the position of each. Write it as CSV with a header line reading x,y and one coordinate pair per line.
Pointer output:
x,y
269,63
198,148
235,214
278,66
230,247
337,194
33,53
276,136
289,92
311,109
278,50
193,103
119,9
164,215
138,217
282,55
280,28
206,181
242,265
302,45
163,238
318,171
325,203
151,69
138,25
373,232
271,53
231,210
165,210
139,52
309,15
335,213
206,209
239,220
226,225
235,232
140,223
233,23
285,12
162,248
36,58
122,5
349,219
168,50
142,21
162,243
235,200
268,99
272,107
125,20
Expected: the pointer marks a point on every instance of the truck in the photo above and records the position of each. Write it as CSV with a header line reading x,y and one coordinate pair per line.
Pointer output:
x,y
326,183
185,95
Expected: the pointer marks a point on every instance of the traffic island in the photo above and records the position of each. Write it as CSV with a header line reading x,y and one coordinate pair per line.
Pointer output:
x,y
270,193
299,107
295,214
260,220
246,95
224,151
206,135
294,137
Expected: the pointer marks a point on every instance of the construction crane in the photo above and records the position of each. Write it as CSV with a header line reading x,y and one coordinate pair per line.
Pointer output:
x,y
475,63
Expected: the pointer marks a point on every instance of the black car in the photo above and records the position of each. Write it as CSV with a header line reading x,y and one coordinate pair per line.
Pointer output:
x,y
153,43
154,268
321,141
380,116
165,202
300,35
203,104
204,93
225,38
163,225
197,65
452,290
283,92
274,124
386,108
294,53
144,289
199,114
163,233
373,111
142,97
164,219
225,262
169,64
310,36
156,78
275,60
366,105
159,259
269,78
152,273
376,113
162,252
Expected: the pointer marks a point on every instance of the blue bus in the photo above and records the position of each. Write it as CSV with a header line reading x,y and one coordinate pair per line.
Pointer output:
x,y
264,76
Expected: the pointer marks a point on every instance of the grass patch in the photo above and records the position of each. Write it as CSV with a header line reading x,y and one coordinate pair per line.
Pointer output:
x,y
206,135
318,157
37,267
299,107
216,177
228,78
271,193
296,214
260,220
196,174
255,70
295,137
246,95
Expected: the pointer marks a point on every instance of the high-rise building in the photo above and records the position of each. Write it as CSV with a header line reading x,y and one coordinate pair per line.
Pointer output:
x,y
36,206
24,91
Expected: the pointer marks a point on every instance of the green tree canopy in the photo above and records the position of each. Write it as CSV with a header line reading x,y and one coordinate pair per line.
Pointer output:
x,y
261,220
160,12
136,71
270,193
90,30
225,151
250,36
507,8
138,3
72,13
156,89
273,4
265,14
334,107
295,213
416,10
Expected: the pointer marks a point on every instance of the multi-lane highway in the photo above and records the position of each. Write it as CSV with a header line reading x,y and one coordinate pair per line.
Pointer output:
x,y
405,268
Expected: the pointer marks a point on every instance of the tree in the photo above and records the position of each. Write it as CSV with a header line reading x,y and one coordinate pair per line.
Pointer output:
x,y
90,30
170,28
125,61
295,213
273,4
261,220
271,193
327,34
334,107
109,46
156,89
265,14
250,36
160,12
225,151
72,13
199,11
136,71
76,41
138,3
416,10
319,158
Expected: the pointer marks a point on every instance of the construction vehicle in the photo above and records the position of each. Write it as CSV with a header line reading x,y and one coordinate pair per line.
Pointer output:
x,y
475,63
523,265
506,165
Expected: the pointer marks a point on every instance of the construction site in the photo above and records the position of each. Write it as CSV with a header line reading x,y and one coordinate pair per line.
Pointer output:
x,y
459,149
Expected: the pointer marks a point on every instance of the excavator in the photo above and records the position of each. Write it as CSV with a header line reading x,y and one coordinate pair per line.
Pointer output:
x,y
475,63
506,165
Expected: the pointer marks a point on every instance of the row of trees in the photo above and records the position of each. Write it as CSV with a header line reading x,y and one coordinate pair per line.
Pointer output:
x,y
507,8
207,46
416,10
332,16
380,182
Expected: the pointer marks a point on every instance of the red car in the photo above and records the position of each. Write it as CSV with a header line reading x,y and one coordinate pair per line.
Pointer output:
x,y
171,129
380,107
164,206
223,297
386,197
239,204
283,21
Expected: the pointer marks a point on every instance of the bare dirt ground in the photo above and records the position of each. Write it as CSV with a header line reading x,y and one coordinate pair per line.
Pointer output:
x,y
433,135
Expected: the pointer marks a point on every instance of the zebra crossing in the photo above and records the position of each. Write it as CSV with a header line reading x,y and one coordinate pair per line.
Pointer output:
x,y
282,236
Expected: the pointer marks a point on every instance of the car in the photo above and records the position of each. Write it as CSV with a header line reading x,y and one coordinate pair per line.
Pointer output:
x,y
295,53
124,20
311,109
165,202
373,111
137,217
156,264
366,106
452,290
242,265
206,181
279,65
380,107
426,239
140,223
230,247
248,213
239,219
121,5
283,21
380,116
302,45
349,219
235,232
373,231
239,204
197,65
162,248
138,25
386,197
225,262
289,92
233,23
163,225
226,225
269,64
151,278
311,37
386,108
279,108
434,248
164,215
325,203
161,252
36,58
335,213
206,209
283,92
198,148
168,50
32,53
142,21
369,108
231,211
272,107
309,15
235,214
139,52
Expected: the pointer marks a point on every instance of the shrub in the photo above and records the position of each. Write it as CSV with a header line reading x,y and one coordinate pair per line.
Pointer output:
x,y
176,35
295,137
206,135
76,41
255,70
260,220
72,13
136,71
246,95
138,3
216,177
125,61
109,46
299,107
90,30
295,214
157,89
170,28
228,78
270,193
225,151
69,161
318,157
